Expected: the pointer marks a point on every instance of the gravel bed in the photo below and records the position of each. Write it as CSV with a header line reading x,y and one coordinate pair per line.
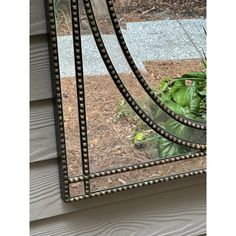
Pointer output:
x,y
147,41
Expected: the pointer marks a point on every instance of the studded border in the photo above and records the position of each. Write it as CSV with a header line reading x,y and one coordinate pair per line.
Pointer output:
x,y
123,90
60,135
80,93
57,99
139,166
140,78
138,185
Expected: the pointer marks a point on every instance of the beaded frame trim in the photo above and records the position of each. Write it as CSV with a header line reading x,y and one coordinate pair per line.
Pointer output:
x,y
121,87
58,108
57,99
138,185
140,78
139,166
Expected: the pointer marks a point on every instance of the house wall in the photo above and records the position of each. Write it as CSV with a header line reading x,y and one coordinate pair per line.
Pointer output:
x,y
173,208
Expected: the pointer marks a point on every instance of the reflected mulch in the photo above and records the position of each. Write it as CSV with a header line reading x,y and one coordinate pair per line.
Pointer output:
x,y
110,144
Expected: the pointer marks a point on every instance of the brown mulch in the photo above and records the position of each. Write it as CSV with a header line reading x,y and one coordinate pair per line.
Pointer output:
x,y
139,10
110,144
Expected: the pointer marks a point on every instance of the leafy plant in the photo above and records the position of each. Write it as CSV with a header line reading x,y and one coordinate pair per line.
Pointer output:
x,y
187,99
186,96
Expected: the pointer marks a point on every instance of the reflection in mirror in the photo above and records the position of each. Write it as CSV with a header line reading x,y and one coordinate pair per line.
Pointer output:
x,y
133,87
147,174
68,88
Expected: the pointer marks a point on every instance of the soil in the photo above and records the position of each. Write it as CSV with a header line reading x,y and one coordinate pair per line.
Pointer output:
x,y
138,10
110,144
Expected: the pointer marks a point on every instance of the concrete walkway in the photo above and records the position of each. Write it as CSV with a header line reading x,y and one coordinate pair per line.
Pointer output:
x,y
150,40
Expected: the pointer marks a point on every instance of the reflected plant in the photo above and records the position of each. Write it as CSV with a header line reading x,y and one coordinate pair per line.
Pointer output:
x,y
186,96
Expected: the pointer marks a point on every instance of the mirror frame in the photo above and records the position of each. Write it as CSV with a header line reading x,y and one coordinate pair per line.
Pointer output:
x,y
65,180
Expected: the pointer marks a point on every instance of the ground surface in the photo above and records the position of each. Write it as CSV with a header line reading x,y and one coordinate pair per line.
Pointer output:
x,y
139,10
147,41
110,144
149,10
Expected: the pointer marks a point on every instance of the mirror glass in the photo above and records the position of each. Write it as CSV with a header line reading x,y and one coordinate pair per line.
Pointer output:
x,y
150,45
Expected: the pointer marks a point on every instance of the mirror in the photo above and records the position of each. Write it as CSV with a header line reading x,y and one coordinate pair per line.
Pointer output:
x,y
129,81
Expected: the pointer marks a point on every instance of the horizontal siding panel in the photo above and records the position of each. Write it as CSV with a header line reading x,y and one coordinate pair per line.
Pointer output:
x,y
42,131
37,17
179,212
45,198
40,77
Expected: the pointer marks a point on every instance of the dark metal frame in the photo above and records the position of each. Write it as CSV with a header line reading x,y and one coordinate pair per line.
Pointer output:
x,y
58,106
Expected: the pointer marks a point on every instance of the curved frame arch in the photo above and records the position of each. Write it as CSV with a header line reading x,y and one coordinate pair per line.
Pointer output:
x,y
121,87
63,165
183,120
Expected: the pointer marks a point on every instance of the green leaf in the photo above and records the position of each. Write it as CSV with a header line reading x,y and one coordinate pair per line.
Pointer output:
x,y
139,136
180,96
177,128
190,78
201,75
171,104
177,84
203,92
168,149
193,98
164,84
